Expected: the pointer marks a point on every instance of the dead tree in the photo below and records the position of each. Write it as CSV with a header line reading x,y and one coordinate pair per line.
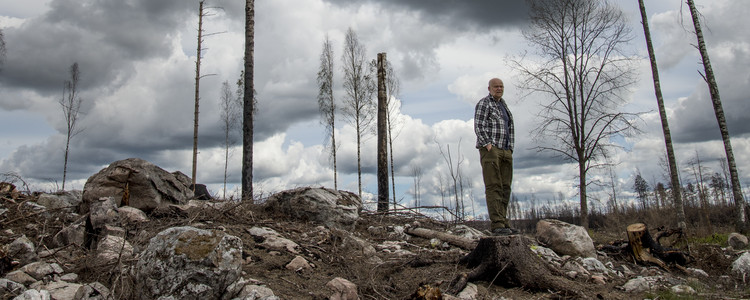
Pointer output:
x,y
509,261
248,106
71,107
382,117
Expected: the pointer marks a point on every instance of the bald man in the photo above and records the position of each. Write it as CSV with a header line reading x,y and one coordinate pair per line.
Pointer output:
x,y
493,125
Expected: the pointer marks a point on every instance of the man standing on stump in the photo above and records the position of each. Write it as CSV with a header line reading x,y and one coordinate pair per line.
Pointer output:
x,y
493,125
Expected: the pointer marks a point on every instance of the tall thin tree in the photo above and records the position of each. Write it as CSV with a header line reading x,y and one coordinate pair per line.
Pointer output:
x,y
741,223
230,114
248,106
197,90
359,86
326,102
674,176
71,107
582,72
382,133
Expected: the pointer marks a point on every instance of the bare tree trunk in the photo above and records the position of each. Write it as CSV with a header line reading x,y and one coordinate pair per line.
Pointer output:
x,y
248,104
197,91
382,137
713,87
675,179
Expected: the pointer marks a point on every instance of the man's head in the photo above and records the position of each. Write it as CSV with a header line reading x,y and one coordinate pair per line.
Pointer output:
x,y
496,88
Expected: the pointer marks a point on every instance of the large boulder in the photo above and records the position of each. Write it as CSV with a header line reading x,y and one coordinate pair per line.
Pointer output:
x,y
564,238
324,206
137,183
189,263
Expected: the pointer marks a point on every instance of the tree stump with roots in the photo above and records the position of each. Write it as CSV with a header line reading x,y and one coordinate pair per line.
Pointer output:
x,y
508,261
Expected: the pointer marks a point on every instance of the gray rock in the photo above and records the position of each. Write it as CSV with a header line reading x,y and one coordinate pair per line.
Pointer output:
x,y
342,289
188,263
71,234
737,241
62,289
20,277
741,266
33,294
131,215
138,183
10,287
564,238
67,201
324,206
112,249
22,249
38,270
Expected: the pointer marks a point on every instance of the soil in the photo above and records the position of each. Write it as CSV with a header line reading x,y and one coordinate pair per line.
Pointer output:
x,y
394,276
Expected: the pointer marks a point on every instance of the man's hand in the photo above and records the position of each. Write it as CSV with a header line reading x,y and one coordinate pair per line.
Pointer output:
x,y
489,146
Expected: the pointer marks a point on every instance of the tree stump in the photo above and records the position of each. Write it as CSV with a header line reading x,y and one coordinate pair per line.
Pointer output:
x,y
508,261
646,250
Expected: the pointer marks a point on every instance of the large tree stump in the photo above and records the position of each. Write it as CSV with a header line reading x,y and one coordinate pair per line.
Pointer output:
x,y
508,261
646,250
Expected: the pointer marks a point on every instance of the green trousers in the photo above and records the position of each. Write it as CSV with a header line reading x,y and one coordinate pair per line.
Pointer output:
x,y
497,171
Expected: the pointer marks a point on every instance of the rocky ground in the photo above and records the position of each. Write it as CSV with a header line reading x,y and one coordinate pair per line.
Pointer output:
x,y
375,254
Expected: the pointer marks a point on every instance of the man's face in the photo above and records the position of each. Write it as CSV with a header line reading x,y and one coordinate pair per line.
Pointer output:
x,y
496,88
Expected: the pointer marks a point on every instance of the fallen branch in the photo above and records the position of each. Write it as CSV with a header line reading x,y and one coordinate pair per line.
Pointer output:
x,y
455,240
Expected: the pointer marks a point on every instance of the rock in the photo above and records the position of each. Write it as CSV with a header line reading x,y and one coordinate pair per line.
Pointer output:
x,y
325,206
93,291
200,192
71,234
103,211
188,263
137,183
741,266
564,238
272,240
66,201
737,241
22,249
594,265
342,289
112,249
62,289
131,215
33,294
299,263
20,277
10,287
252,291
642,284
38,270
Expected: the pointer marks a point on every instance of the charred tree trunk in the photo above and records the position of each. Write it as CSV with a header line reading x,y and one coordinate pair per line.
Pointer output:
x,y
382,137
509,261
648,251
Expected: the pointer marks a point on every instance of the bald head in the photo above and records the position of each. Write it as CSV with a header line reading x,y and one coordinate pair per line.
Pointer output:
x,y
496,88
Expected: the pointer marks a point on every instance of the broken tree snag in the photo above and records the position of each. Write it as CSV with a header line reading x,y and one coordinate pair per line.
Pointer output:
x,y
646,250
467,244
508,261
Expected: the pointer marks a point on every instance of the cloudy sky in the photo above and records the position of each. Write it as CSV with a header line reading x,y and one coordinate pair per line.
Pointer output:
x,y
137,63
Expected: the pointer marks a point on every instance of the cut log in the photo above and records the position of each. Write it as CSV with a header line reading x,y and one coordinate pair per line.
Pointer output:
x,y
508,261
455,240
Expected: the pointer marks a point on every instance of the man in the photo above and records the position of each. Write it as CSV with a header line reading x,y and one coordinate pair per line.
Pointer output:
x,y
493,125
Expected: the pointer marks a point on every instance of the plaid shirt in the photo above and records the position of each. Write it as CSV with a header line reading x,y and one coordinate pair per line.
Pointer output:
x,y
493,124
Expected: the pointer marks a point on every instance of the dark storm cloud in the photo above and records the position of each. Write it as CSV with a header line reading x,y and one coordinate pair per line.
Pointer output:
x,y
459,13
104,37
